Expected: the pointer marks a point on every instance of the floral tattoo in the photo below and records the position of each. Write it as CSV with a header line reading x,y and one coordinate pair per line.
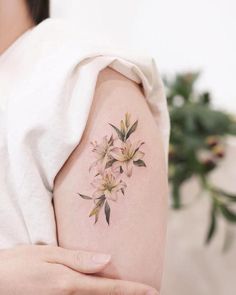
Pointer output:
x,y
115,158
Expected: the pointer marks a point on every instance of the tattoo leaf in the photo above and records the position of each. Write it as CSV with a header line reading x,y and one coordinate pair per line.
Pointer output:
x,y
107,212
101,197
85,197
212,224
132,129
139,163
111,140
96,217
119,133
98,207
109,163
139,147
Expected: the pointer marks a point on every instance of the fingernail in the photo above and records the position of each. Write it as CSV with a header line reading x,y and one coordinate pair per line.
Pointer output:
x,y
152,292
101,258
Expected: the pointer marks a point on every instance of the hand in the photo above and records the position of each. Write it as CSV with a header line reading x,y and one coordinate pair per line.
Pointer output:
x,y
50,270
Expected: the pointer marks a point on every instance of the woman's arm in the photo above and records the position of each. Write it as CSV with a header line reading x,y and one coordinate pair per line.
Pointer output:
x,y
111,194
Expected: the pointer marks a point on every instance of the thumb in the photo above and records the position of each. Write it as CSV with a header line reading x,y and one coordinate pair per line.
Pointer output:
x,y
78,260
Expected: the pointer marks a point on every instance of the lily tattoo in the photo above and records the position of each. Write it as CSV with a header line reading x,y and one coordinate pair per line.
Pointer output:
x,y
115,159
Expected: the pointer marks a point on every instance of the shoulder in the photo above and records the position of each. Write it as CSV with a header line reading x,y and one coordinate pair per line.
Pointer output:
x,y
115,95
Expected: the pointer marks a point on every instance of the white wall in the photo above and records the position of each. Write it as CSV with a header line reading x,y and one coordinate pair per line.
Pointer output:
x,y
181,35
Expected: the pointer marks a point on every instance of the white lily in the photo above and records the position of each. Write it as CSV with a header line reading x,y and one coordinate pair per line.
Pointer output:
x,y
108,185
126,155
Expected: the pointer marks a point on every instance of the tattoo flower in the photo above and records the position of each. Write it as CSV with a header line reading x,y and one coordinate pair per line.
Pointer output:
x,y
108,185
127,156
111,161
102,153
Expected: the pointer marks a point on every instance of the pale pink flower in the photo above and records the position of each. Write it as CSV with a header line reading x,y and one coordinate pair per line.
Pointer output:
x,y
102,153
108,185
126,156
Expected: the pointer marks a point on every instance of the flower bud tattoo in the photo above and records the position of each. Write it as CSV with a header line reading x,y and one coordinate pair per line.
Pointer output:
x,y
116,157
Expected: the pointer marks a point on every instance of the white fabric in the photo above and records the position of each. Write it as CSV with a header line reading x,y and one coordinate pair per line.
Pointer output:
x,y
47,82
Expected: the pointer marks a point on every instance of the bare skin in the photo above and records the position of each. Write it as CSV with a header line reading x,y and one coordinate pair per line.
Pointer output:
x,y
14,21
34,269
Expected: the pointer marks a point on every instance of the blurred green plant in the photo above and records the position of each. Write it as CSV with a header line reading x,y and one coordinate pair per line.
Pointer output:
x,y
197,145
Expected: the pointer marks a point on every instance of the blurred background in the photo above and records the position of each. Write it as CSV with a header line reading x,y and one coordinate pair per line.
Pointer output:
x,y
194,44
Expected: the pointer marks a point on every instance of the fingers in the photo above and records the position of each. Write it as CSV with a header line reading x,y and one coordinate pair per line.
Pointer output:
x,y
88,263
100,286
82,261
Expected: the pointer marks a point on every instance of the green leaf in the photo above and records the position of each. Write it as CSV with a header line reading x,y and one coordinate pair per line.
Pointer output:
x,y
177,204
96,217
85,197
228,213
111,140
139,147
212,224
229,196
119,133
94,211
107,212
97,207
232,128
132,129
101,197
139,163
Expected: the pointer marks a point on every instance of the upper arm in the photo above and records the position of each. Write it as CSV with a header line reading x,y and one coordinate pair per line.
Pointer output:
x,y
127,172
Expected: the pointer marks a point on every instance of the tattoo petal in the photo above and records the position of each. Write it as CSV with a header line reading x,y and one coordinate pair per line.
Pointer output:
x,y
111,195
127,167
117,154
127,120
